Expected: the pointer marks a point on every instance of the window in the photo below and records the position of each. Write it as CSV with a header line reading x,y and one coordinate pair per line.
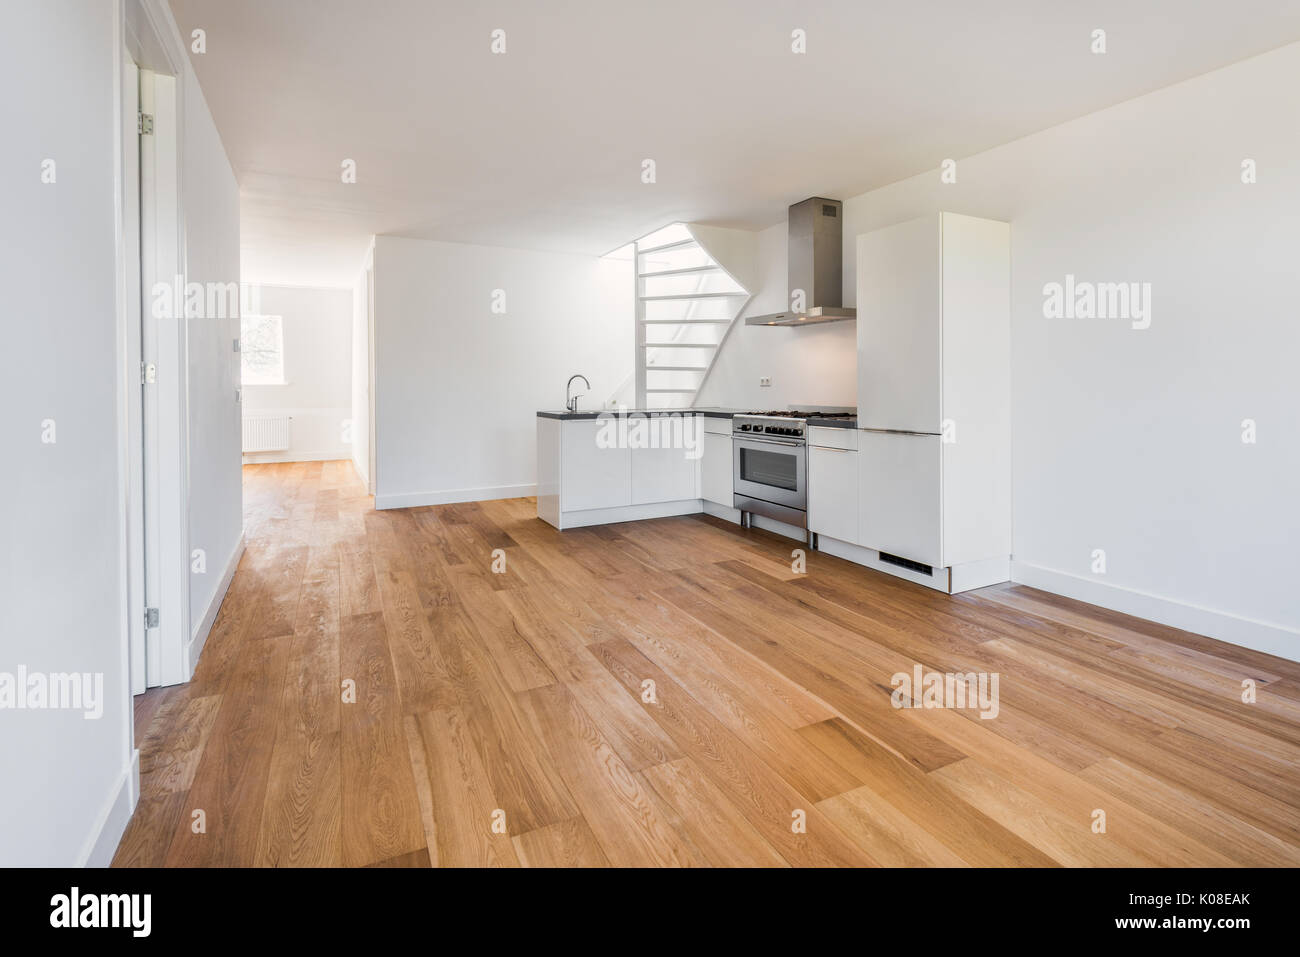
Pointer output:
x,y
261,349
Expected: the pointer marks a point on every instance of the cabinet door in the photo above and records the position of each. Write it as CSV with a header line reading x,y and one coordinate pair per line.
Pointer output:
x,y
671,473
716,470
833,493
900,507
592,476
899,327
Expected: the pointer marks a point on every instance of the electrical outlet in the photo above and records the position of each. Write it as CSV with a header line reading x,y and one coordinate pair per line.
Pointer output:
x,y
765,380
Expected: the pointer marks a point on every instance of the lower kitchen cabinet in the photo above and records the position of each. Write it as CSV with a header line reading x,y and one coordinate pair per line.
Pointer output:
x,y
716,469
591,476
900,504
669,474
833,490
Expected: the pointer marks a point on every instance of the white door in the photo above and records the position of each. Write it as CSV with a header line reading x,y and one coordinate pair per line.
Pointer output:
x,y
667,474
899,327
592,476
715,470
901,500
833,493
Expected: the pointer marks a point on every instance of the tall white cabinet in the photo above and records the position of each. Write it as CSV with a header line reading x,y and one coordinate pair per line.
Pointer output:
x,y
934,402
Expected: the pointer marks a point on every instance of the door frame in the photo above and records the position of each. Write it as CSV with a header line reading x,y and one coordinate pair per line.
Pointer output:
x,y
371,438
150,39
132,452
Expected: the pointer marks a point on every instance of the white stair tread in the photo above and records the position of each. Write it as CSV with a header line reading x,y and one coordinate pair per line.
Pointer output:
x,y
695,295
679,272
679,244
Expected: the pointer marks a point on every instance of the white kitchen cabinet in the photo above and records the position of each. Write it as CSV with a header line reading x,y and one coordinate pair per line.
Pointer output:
x,y
899,327
900,505
833,491
934,389
669,474
716,469
591,476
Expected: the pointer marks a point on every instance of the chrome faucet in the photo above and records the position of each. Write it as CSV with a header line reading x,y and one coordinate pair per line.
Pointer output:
x,y
572,403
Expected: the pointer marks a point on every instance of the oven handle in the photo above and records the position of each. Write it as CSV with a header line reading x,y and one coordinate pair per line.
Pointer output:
x,y
796,445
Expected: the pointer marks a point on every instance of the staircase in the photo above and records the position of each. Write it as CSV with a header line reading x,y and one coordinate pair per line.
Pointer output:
x,y
686,302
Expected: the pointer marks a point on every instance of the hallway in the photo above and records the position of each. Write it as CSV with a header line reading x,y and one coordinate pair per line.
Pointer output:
x,y
503,718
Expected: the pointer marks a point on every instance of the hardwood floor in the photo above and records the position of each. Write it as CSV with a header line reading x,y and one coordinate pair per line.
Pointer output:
x,y
509,718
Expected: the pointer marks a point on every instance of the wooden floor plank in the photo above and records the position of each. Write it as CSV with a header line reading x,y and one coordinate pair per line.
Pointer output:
x,y
566,844
380,809
626,822
463,806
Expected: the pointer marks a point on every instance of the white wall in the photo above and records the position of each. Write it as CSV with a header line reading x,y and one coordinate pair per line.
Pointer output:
x,y
61,574
361,373
458,387
211,203
1130,440
317,328
816,365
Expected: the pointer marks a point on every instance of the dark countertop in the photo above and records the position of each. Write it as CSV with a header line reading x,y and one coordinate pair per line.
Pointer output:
x,y
597,413
814,421
817,422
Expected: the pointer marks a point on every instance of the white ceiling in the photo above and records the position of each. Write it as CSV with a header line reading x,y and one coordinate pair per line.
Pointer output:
x,y
542,147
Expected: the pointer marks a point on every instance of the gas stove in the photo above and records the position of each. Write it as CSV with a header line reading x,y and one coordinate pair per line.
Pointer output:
x,y
785,426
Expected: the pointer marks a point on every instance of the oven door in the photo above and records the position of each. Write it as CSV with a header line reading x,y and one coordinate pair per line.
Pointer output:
x,y
771,470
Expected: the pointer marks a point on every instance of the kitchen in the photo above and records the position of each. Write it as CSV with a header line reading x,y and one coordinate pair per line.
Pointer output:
x,y
888,484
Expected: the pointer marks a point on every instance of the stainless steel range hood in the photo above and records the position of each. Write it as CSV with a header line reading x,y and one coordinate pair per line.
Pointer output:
x,y
816,266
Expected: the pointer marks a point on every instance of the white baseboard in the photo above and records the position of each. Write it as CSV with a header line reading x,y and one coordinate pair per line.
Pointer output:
x,y
361,472
268,458
113,819
1262,636
453,495
724,512
201,631
939,579
979,574
627,513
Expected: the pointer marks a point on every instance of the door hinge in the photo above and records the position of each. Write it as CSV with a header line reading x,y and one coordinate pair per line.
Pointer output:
x,y
151,617
144,124
148,373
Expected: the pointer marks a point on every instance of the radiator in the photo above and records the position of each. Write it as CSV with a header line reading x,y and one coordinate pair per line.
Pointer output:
x,y
267,433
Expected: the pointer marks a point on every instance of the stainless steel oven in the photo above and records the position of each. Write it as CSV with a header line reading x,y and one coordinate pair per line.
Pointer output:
x,y
770,468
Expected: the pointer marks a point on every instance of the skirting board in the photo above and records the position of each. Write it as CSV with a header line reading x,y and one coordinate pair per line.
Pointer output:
x,y
1257,635
627,513
869,558
200,635
724,512
112,821
361,472
454,495
269,458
